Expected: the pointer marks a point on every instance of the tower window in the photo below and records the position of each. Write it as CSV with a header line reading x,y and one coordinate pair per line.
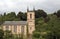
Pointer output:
x,y
30,15
30,28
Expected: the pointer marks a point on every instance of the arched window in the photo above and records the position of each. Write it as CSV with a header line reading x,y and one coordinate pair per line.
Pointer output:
x,y
7,27
30,15
15,28
22,29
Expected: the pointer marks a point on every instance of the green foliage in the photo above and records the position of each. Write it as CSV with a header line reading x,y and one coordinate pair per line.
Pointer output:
x,y
7,34
22,16
36,34
10,16
58,13
53,26
1,34
40,13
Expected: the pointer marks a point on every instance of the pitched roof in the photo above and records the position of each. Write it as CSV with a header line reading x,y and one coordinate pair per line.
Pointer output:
x,y
15,23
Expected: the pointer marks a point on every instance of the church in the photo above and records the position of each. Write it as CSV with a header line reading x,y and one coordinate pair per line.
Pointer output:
x,y
21,27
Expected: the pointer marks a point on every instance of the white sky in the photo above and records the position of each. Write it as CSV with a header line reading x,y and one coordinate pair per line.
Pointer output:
x,y
21,5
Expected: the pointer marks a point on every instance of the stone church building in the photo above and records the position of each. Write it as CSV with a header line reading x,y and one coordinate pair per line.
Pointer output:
x,y
21,27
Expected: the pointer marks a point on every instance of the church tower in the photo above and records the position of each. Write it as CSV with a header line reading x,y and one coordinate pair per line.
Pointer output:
x,y
31,21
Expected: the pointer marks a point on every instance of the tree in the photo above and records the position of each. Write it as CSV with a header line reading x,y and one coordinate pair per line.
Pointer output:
x,y
5,14
19,15
58,13
9,17
7,35
55,13
40,13
1,20
22,16
1,34
46,19
36,34
54,26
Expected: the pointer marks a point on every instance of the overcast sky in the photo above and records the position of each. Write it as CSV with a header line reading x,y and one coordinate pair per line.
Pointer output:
x,y
48,6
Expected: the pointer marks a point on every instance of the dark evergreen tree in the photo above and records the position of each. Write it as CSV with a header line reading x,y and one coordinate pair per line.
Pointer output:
x,y
58,13
40,13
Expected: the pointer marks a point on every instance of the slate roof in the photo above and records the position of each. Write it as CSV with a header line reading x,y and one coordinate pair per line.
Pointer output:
x,y
15,23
